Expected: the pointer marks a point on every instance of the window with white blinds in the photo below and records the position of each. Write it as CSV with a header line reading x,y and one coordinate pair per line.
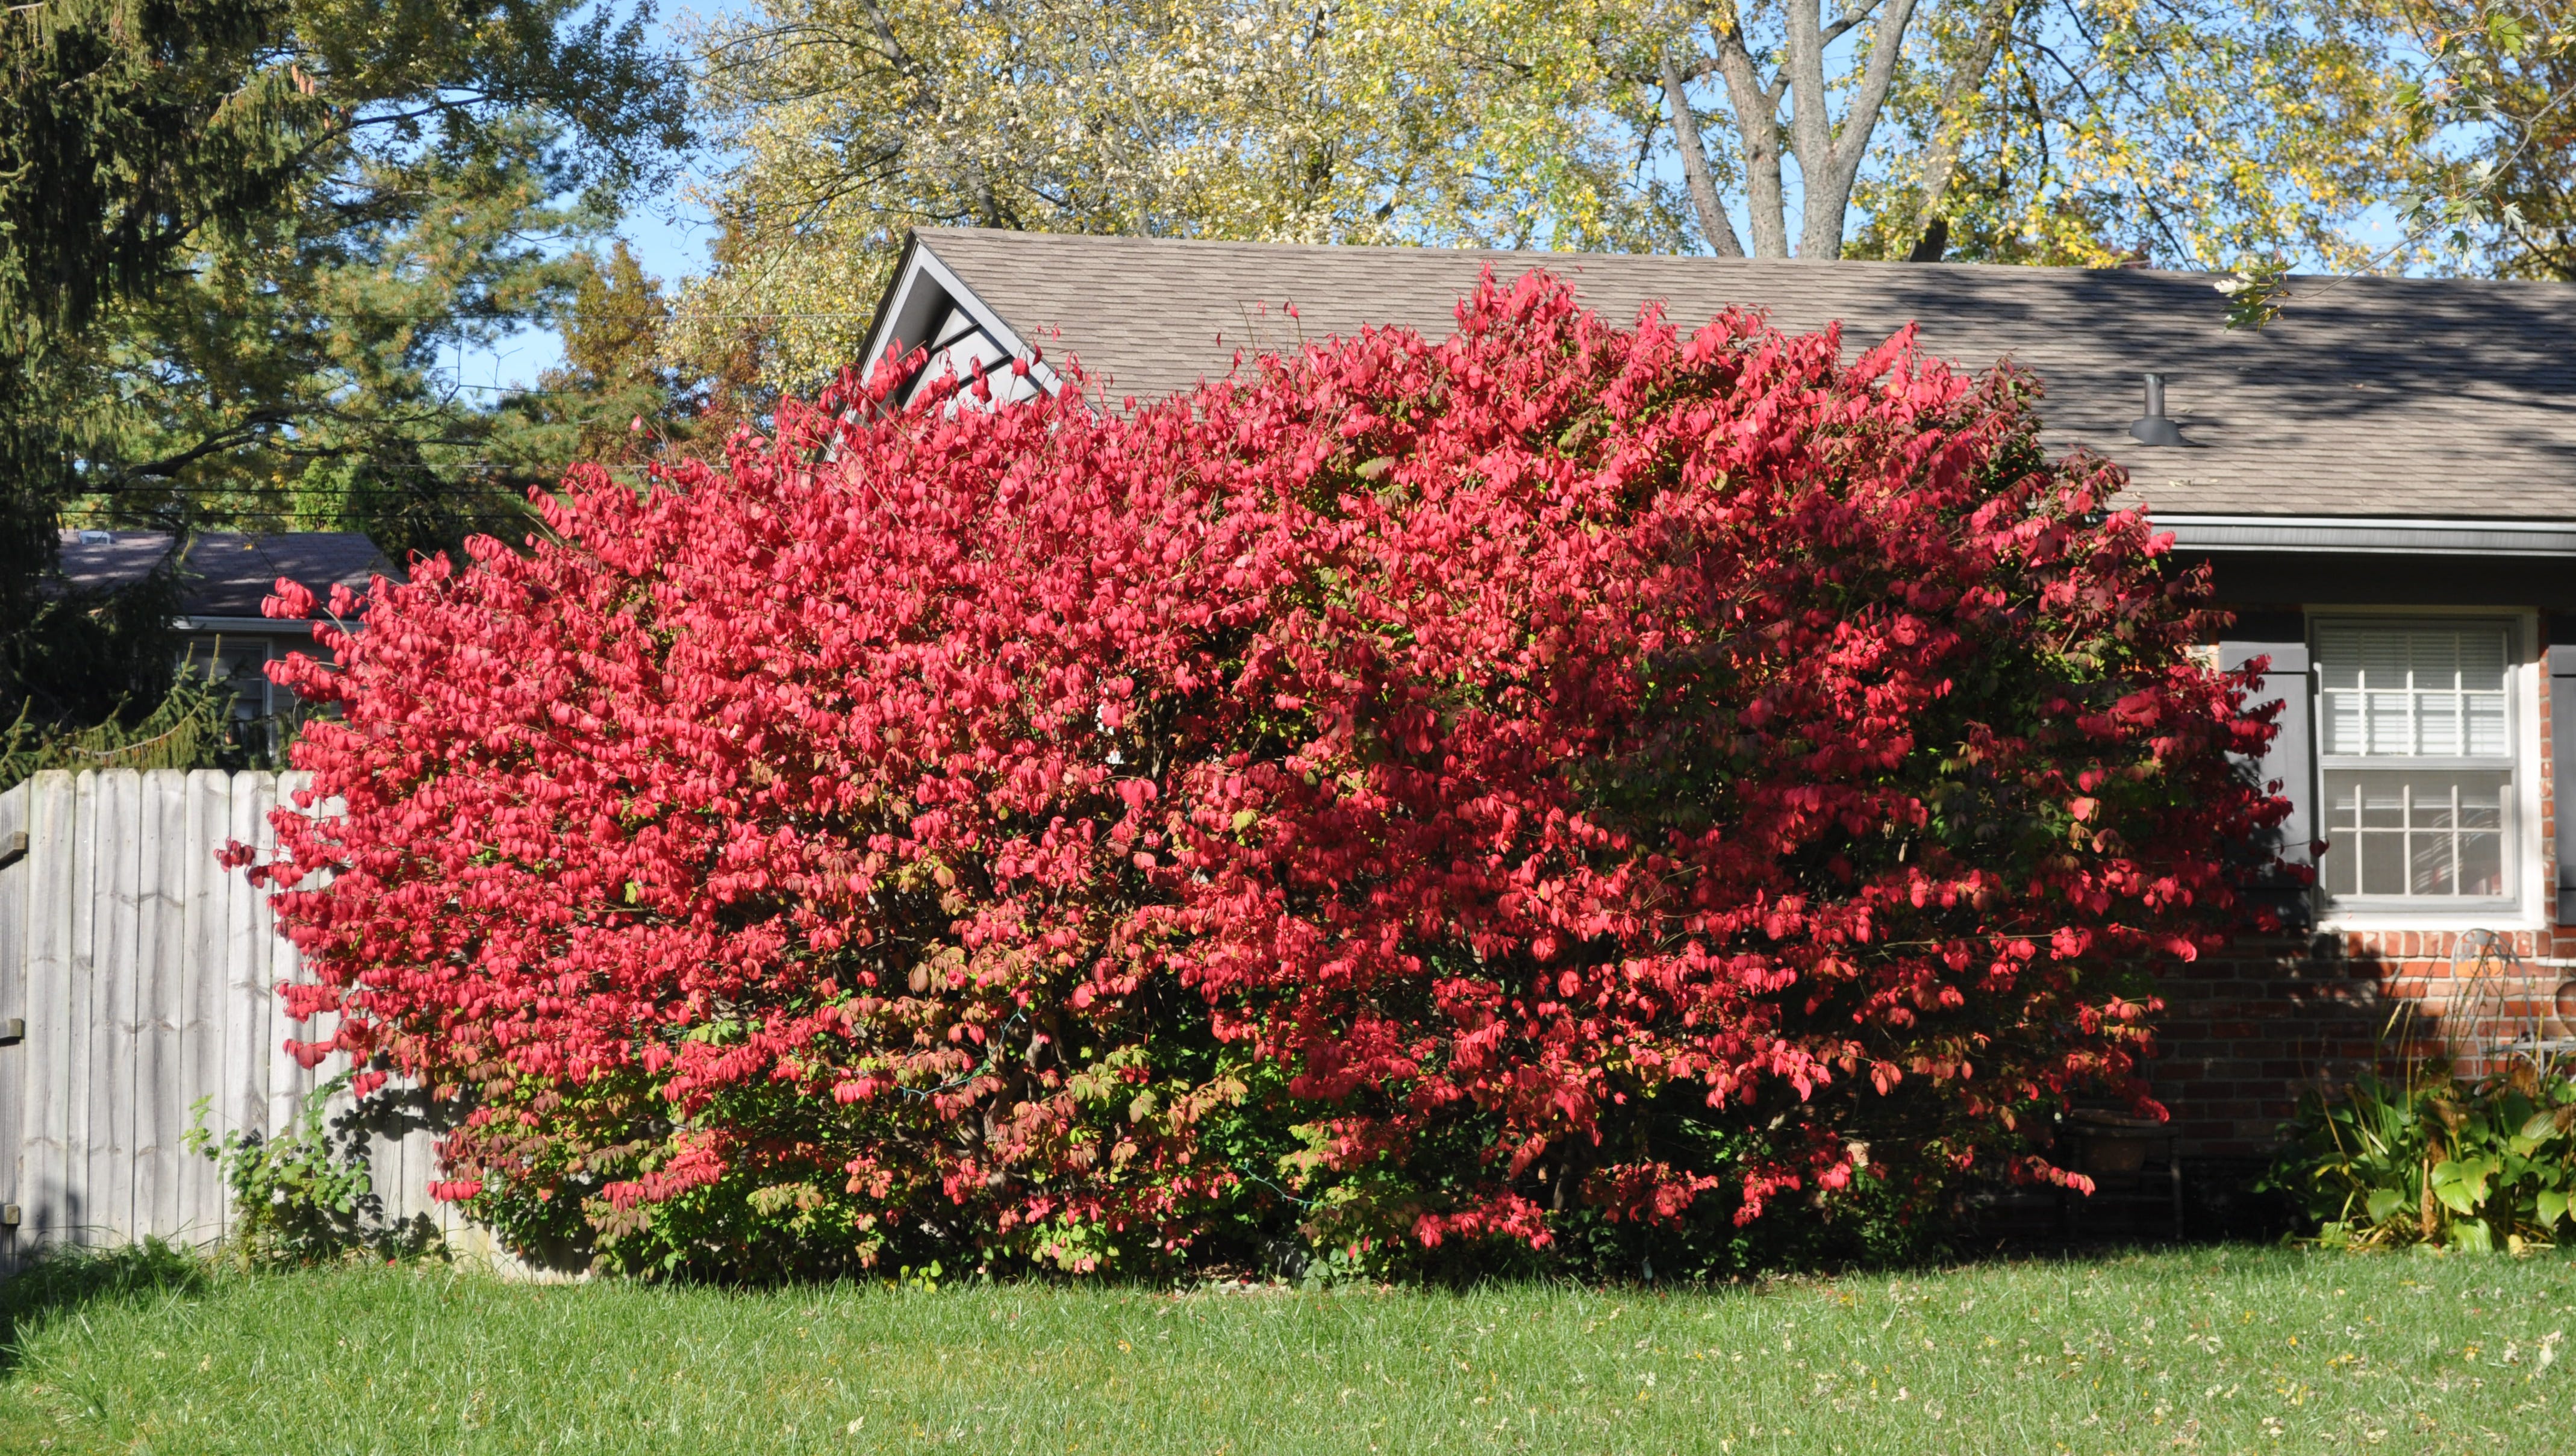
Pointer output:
x,y
2416,732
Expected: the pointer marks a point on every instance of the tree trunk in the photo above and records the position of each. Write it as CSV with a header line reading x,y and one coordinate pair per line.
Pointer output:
x,y
1757,124
1941,156
1811,126
1829,156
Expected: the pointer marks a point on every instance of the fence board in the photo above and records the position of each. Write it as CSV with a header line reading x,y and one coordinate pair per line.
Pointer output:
x,y
160,1112
289,1079
206,825
44,1170
14,812
114,954
251,995
85,1201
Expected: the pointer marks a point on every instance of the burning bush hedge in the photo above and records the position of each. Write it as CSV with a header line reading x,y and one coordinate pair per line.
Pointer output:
x,y
1409,796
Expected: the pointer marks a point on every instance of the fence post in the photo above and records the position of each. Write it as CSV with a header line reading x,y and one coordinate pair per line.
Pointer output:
x,y
46,1213
14,872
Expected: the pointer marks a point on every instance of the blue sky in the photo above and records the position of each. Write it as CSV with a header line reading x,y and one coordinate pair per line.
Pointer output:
x,y
669,235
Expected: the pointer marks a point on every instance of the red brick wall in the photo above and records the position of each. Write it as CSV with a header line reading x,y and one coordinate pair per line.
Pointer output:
x,y
2244,1033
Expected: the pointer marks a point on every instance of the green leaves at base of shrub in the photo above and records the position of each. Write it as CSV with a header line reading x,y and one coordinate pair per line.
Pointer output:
x,y
305,1196
2476,1166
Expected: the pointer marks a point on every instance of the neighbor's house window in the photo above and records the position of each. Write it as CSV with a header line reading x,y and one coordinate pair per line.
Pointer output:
x,y
2417,761
240,663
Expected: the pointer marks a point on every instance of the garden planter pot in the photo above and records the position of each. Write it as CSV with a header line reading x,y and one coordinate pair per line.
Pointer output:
x,y
2113,1142
2112,1153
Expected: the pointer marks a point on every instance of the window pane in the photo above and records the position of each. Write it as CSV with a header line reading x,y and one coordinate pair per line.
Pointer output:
x,y
2388,723
2416,835
2481,803
2407,692
2482,864
2383,801
2341,867
2343,723
2383,654
2437,718
2339,658
2482,660
2486,725
2383,862
2434,806
2429,870
239,665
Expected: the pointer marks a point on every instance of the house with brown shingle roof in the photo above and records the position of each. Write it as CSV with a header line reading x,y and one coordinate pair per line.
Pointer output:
x,y
222,577
2383,481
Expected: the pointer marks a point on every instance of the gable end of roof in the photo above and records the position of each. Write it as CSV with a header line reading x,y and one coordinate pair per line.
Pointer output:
x,y
928,309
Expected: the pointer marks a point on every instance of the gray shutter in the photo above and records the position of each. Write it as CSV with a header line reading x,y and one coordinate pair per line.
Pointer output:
x,y
2562,760
2291,759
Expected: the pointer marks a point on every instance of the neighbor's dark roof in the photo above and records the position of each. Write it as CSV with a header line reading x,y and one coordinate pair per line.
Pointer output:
x,y
2366,397
225,574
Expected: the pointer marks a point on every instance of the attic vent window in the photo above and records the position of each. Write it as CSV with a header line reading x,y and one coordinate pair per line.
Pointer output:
x,y
2152,427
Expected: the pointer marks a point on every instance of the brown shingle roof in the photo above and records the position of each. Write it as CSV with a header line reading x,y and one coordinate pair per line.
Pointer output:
x,y
225,573
2367,397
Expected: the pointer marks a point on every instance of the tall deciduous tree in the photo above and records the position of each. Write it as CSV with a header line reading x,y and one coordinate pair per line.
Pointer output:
x,y
2502,73
2186,132
2189,132
1371,121
1759,79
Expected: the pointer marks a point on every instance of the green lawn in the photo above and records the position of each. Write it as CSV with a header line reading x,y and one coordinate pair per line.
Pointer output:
x,y
2211,1351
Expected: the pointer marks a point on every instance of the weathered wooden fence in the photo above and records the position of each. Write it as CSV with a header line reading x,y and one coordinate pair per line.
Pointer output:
x,y
145,976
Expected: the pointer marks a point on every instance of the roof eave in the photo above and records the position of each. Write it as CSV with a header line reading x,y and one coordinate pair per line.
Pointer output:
x,y
883,318
2369,535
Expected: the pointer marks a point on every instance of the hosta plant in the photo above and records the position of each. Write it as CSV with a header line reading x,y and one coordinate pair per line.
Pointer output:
x,y
1411,795
2423,1159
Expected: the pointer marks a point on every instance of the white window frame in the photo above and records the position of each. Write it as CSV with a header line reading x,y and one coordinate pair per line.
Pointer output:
x,y
2527,865
206,648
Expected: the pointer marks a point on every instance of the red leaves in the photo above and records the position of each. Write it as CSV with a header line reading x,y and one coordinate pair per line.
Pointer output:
x,y
292,600
1637,764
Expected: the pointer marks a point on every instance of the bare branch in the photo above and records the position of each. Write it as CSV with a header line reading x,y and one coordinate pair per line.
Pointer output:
x,y
249,428
1713,223
1842,27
